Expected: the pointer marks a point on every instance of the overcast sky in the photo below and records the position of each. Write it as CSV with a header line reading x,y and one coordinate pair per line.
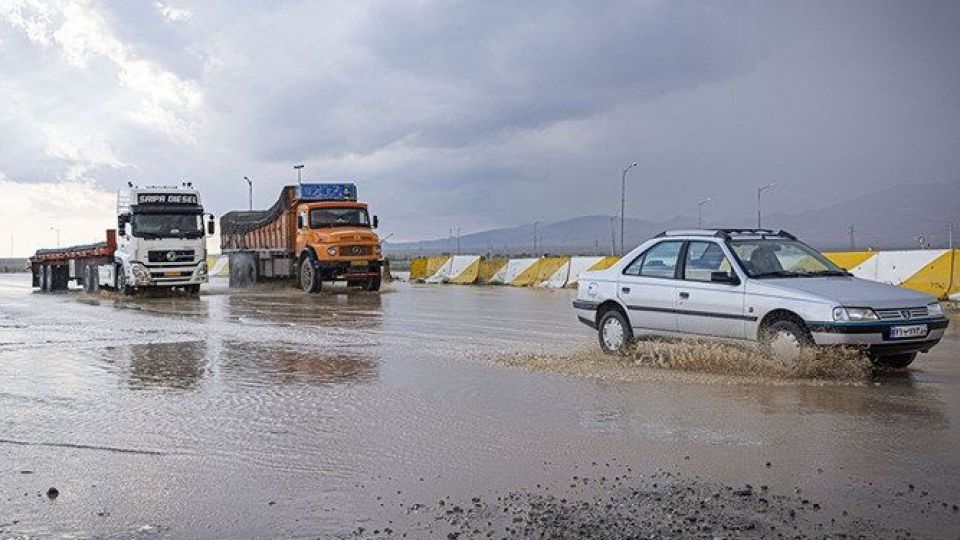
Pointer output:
x,y
478,113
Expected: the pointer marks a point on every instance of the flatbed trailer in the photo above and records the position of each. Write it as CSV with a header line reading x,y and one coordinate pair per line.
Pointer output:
x,y
90,265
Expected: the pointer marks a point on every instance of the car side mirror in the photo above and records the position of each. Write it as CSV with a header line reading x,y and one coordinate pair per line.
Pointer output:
x,y
724,277
376,222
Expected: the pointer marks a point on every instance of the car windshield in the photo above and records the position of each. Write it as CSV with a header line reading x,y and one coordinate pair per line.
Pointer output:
x,y
167,225
775,257
338,217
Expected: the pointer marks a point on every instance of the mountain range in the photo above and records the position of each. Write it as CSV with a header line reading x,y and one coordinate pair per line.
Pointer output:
x,y
892,218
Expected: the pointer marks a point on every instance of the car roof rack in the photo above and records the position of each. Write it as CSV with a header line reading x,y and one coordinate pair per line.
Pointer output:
x,y
728,234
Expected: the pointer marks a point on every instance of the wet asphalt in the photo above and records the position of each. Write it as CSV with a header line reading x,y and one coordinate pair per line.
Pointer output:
x,y
271,413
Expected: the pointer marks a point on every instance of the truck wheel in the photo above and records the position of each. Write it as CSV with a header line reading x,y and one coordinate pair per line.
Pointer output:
x,y
192,290
121,279
372,284
45,278
894,361
615,333
784,341
309,278
91,279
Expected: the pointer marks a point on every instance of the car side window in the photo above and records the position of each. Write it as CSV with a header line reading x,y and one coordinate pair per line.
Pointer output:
x,y
704,258
659,261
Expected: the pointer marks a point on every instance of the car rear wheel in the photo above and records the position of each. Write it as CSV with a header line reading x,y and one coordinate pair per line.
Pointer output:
x,y
894,361
614,333
309,277
784,341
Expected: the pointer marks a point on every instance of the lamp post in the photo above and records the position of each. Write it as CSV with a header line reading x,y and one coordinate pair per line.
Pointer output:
x,y
58,234
623,200
535,223
700,211
299,168
760,191
249,190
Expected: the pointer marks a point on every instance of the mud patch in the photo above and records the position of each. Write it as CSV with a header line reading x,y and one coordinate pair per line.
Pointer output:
x,y
699,361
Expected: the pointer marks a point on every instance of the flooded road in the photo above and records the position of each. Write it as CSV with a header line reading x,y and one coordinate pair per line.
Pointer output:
x,y
277,414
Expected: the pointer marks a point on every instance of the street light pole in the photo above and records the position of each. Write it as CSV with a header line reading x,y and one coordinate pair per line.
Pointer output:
x,y
250,190
760,191
299,168
623,201
700,211
535,223
58,234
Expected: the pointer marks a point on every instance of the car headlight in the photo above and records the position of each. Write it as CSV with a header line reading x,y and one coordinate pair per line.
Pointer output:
x,y
935,309
854,314
331,251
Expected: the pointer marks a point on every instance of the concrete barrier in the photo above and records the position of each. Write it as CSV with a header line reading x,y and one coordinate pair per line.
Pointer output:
x,y
579,265
418,269
539,273
489,269
460,269
218,265
924,270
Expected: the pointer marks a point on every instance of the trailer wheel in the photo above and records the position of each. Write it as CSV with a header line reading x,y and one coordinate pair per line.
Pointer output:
x,y
309,277
91,279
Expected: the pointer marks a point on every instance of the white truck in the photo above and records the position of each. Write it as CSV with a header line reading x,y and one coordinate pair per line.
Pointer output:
x,y
160,242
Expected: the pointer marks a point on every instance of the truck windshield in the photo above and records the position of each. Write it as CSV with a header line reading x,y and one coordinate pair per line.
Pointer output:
x,y
167,225
338,217
778,258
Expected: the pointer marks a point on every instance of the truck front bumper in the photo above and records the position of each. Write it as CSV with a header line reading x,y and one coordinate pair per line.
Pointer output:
x,y
348,270
170,276
876,336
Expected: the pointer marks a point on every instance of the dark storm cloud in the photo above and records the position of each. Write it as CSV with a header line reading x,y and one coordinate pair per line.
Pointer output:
x,y
484,114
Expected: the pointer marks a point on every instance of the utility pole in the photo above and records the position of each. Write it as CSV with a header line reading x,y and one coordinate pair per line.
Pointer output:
x,y
535,223
853,243
249,190
458,240
623,200
700,211
58,234
760,191
613,237
299,168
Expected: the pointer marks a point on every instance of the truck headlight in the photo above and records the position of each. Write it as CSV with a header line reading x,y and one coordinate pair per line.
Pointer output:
x,y
935,309
331,251
202,269
854,314
140,274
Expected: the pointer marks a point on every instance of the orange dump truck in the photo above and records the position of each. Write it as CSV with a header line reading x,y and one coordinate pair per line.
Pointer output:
x,y
313,233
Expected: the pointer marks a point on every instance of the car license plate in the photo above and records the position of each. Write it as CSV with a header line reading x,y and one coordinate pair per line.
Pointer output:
x,y
358,263
913,331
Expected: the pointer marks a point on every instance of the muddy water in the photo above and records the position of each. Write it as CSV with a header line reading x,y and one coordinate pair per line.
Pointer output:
x,y
278,414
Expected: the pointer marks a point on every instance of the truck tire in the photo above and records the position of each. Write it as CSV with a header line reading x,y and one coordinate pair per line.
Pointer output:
x,y
309,277
46,278
192,290
894,361
372,284
121,281
91,279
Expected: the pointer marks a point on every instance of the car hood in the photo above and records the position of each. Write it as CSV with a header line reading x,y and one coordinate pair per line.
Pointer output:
x,y
851,291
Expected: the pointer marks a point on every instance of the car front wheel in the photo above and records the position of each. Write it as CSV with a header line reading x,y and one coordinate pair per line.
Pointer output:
x,y
894,361
615,333
784,341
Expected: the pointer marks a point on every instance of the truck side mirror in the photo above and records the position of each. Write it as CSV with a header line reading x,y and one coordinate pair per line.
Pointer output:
x,y
376,222
211,226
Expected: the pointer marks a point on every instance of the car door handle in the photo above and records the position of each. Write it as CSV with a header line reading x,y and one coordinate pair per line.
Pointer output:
x,y
684,295
625,290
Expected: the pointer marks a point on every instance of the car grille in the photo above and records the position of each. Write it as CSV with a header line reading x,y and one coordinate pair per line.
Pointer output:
x,y
170,256
355,251
902,314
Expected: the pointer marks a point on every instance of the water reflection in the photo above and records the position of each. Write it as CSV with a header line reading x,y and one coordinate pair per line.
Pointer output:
x,y
178,366
267,364
355,310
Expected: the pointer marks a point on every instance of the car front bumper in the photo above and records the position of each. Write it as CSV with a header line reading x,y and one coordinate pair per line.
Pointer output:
x,y
876,335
